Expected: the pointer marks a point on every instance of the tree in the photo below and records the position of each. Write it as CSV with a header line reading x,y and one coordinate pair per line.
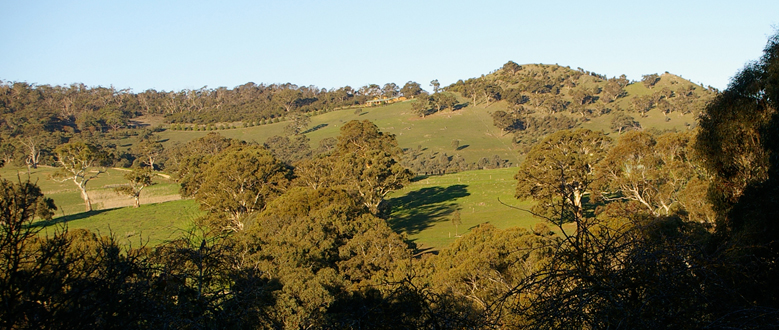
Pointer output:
x,y
150,151
436,85
288,98
240,181
289,150
80,162
364,164
315,173
362,137
506,122
511,67
613,90
622,81
20,204
369,176
491,92
188,160
456,221
558,172
471,89
298,123
480,269
633,168
622,121
421,105
665,107
37,143
443,101
581,96
333,262
642,104
326,145
514,97
370,91
7,152
139,178
649,80
739,144
411,89
555,104
390,90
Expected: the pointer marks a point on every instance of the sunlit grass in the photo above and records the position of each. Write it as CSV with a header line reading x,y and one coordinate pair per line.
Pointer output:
x,y
423,209
150,224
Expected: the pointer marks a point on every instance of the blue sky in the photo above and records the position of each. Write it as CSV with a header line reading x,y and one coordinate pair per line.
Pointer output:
x,y
174,45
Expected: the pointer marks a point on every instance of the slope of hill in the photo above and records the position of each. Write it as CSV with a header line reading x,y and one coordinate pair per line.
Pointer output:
x,y
425,209
545,91
101,189
529,94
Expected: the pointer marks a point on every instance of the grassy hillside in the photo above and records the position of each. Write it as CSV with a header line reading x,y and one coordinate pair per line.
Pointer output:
x,y
149,224
472,126
101,190
423,210
162,215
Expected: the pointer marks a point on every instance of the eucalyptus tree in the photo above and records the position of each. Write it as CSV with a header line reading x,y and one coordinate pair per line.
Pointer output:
x,y
559,171
411,89
364,163
80,163
239,181
138,179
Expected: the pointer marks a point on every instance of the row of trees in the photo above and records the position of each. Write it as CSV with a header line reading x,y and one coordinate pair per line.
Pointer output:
x,y
37,118
78,107
437,163
426,104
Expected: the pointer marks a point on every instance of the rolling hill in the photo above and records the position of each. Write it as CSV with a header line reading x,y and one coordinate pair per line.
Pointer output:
x,y
423,210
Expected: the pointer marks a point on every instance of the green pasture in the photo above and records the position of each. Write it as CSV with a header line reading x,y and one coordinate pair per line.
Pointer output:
x,y
101,190
423,210
471,125
150,224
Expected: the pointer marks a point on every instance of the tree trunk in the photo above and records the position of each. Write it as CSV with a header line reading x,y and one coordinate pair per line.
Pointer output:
x,y
137,201
577,202
85,197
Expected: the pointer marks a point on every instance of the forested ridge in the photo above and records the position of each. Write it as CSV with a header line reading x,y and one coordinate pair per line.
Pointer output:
x,y
641,228
528,102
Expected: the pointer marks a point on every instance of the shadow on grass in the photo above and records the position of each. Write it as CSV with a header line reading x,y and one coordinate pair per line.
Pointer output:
x,y
460,106
419,178
138,124
418,209
68,218
315,128
463,147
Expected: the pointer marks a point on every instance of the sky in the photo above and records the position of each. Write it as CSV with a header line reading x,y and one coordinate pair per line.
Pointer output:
x,y
175,45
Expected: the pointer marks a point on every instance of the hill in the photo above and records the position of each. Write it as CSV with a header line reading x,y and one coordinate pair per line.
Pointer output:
x,y
537,99
533,93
